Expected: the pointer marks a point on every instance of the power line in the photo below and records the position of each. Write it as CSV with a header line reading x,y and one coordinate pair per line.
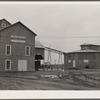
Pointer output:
x,y
47,44
69,37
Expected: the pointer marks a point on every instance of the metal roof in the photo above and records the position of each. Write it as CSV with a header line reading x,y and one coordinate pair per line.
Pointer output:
x,y
85,51
89,44
38,45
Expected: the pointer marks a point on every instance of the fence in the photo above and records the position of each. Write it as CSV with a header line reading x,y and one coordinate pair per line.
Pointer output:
x,y
51,67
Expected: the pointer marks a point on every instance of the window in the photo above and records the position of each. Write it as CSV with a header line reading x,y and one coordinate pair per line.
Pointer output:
x,y
3,25
8,49
86,61
27,51
85,48
98,48
7,64
69,61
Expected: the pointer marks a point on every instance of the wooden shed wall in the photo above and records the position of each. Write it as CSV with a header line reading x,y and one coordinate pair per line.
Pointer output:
x,y
93,60
90,47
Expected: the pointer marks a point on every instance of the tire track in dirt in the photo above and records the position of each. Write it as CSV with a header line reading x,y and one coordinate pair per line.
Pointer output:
x,y
40,84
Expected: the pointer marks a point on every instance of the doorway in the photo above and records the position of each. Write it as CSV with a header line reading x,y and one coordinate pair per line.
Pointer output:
x,y
74,63
22,65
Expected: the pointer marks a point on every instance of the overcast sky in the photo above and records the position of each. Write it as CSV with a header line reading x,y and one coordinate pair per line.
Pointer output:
x,y
64,26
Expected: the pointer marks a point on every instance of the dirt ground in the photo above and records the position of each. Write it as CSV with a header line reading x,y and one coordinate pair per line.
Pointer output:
x,y
51,80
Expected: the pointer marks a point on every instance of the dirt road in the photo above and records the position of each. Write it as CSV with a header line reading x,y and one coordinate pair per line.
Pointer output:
x,y
30,82
27,84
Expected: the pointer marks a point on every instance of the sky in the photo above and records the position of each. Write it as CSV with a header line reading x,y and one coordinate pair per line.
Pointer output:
x,y
62,25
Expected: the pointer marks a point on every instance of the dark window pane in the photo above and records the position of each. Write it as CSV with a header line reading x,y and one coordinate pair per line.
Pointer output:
x,y
8,50
27,51
8,65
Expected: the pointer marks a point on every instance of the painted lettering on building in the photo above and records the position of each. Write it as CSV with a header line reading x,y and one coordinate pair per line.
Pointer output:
x,y
18,41
20,37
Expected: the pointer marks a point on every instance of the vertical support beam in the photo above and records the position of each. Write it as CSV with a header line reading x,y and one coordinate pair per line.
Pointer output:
x,y
49,58
43,65
60,60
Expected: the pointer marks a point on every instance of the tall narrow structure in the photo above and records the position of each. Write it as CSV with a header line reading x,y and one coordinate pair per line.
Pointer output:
x,y
17,47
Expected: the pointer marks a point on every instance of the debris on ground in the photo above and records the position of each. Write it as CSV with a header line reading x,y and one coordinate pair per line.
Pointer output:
x,y
46,80
50,76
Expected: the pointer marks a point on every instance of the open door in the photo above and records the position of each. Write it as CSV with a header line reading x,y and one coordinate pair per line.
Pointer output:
x,y
38,59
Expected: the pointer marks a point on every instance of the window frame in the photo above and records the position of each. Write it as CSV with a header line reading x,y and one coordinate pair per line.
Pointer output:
x,y
86,61
6,64
26,50
6,50
69,61
3,25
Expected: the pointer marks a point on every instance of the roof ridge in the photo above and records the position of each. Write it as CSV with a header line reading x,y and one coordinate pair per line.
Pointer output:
x,y
8,26
5,20
78,51
17,23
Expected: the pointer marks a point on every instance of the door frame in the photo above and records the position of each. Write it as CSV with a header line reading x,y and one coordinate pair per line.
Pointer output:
x,y
74,63
22,69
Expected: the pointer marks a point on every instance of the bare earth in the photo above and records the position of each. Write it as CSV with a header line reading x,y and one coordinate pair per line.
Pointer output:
x,y
47,80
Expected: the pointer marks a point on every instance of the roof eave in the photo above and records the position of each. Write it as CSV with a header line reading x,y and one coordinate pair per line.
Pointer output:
x,y
17,23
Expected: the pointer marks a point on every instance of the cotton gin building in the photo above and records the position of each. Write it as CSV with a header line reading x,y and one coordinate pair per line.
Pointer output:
x,y
86,58
48,56
17,47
